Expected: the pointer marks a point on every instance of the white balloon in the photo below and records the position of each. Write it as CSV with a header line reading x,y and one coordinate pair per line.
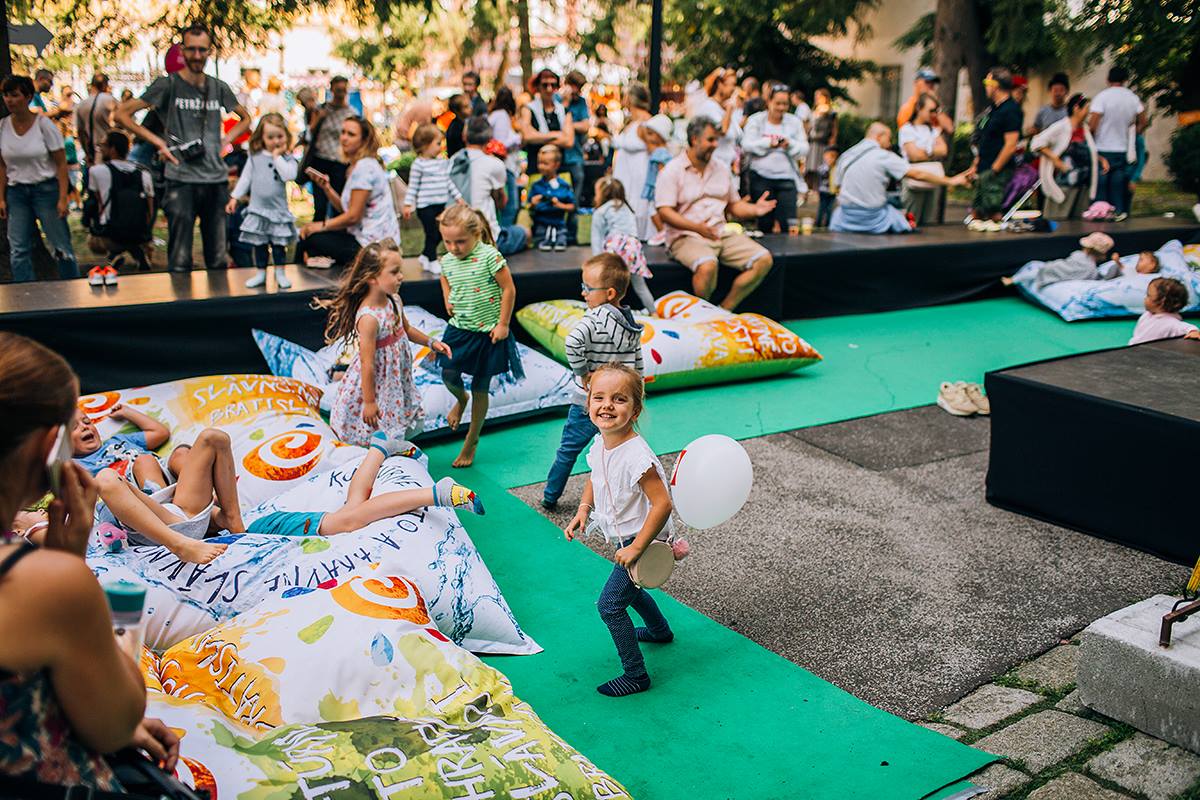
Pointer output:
x,y
711,481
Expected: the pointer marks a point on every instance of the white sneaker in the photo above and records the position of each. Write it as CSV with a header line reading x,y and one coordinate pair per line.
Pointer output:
x,y
978,398
257,280
1196,211
952,398
281,279
423,261
435,266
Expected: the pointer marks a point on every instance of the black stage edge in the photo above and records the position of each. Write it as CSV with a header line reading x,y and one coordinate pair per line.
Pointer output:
x,y
1104,443
157,327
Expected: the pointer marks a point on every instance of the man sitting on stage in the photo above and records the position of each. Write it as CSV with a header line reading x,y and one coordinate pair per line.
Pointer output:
x,y
862,174
693,194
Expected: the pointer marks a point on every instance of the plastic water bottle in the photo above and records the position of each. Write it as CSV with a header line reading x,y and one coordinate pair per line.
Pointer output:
x,y
126,600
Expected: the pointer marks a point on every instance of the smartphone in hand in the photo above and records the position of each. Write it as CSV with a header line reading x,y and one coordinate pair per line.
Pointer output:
x,y
60,454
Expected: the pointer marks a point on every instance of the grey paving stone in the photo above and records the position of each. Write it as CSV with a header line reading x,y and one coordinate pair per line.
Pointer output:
x,y
1149,766
1000,779
1042,739
900,439
1073,786
1053,670
988,705
1071,704
952,731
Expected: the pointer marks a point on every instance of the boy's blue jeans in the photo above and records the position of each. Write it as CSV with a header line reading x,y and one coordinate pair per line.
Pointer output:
x,y
577,434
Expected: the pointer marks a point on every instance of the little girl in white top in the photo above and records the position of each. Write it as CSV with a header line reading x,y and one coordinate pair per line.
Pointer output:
x,y
629,501
268,226
614,230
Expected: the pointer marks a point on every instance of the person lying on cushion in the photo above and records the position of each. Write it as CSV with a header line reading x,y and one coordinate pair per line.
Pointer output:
x,y
1094,261
1165,298
360,509
862,174
129,454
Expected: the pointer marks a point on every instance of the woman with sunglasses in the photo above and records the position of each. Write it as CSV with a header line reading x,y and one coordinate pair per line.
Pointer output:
x,y
923,144
544,120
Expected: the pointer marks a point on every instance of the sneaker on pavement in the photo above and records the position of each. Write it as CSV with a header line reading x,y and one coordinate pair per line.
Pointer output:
x,y
978,398
560,242
952,398
96,276
110,275
1196,211
423,261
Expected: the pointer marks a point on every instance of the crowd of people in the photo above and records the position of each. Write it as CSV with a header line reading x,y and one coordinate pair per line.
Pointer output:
x,y
531,162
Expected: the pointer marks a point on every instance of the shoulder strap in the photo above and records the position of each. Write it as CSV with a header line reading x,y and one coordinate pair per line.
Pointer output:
x,y
25,549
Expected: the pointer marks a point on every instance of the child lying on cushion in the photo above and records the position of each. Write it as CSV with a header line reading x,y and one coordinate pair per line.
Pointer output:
x,y
180,516
1092,263
1165,298
126,453
360,509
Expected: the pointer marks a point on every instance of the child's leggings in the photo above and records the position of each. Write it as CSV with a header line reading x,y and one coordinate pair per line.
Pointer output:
x,y
277,253
428,216
618,594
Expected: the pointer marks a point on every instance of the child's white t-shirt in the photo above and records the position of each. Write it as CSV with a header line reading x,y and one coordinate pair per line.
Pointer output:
x,y
621,505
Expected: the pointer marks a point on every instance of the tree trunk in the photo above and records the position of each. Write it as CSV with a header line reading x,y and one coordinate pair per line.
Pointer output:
x,y
957,43
526,44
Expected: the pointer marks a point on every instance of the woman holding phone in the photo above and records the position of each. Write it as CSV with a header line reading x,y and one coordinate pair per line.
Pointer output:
x,y
68,693
365,213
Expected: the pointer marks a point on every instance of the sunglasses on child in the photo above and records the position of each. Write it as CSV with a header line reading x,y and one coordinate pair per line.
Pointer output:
x,y
586,288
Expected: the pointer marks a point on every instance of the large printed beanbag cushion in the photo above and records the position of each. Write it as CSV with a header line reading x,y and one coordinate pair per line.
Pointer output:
x,y
348,691
690,342
546,384
287,459
1119,297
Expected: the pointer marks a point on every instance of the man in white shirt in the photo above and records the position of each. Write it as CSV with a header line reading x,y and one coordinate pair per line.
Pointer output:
x,y
1115,111
862,175
487,180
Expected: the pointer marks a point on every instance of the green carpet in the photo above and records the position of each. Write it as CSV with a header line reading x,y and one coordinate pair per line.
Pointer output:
x,y
873,363
725,717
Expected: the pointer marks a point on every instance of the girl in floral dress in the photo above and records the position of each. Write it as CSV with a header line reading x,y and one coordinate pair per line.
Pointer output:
x,y
378,392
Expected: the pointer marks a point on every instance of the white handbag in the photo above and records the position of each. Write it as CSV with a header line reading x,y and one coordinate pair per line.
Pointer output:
x,y
933,167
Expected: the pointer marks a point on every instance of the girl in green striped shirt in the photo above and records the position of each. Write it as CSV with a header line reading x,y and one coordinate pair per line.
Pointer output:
x,y
480,296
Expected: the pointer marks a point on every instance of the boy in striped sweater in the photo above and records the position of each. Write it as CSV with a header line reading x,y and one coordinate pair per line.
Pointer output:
x,y
429,190
607,333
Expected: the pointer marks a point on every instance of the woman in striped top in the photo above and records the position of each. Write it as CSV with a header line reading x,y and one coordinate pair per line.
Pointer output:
x,y
429,190
480,296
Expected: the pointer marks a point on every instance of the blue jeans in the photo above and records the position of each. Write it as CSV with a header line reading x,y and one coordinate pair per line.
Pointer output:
x,y
508,214
28,204
576,435
511,239
618,595
1113,186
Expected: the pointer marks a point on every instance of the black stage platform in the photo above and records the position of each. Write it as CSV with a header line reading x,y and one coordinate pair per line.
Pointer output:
x,y
1104,443
155,327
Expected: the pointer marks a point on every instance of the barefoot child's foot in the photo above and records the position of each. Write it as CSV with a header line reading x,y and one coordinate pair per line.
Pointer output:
x,y
1007,281
455,416
624,685
196,552
466,457
448,494
644,635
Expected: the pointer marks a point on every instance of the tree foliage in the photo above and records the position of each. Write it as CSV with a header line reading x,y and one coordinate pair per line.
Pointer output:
x,y
765,38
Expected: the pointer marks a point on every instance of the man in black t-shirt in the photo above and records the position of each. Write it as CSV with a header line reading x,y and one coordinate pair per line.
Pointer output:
x,y
996,136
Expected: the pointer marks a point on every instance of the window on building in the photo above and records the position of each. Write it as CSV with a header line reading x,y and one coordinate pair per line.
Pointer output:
x,y
889,91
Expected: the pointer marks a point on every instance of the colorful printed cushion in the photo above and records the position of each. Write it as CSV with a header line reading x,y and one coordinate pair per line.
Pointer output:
x,y
546,384
1120,297
690,342
287,459
348,690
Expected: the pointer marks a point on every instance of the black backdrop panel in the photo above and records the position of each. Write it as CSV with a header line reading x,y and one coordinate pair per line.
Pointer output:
x,y
1104,443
